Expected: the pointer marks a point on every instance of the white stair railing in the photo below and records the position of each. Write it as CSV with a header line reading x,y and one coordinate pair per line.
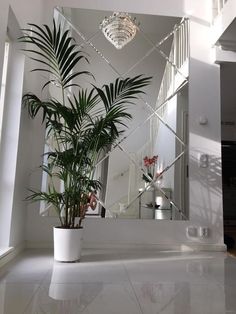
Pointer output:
x,y
176,71
217,6
178,58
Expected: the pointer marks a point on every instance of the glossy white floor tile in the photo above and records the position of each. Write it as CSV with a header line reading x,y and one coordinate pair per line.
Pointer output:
x,y
14,298
29,268
178,298
86,298
105,272
193,268
119,282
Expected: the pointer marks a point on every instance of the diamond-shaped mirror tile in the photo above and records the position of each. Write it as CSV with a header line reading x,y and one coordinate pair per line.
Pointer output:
x,y
102,72
141,158
126,57
154,64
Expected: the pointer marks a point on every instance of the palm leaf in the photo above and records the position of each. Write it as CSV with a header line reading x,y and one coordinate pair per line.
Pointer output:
x,y
123,91
55,50
80,126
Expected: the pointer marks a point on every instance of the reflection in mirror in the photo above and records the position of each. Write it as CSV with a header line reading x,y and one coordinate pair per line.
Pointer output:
x,y
144,176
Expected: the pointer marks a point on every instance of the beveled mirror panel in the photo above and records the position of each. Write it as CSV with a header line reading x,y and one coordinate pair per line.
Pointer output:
x,y
144,175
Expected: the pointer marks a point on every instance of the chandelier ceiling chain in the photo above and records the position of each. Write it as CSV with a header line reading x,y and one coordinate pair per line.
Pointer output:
x,y
119,28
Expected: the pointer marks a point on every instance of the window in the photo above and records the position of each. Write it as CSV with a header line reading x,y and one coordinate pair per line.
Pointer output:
x,y
3,83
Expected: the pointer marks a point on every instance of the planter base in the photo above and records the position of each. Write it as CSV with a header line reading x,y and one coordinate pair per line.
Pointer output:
x,y
67,244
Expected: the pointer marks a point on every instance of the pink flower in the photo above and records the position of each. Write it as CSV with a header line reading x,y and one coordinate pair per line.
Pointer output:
x,y
149,163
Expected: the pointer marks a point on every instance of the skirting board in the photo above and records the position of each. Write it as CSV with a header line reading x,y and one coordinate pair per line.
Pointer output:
x,y
10,254
160,247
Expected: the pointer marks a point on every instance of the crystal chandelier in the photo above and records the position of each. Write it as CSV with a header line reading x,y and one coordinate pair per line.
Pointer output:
x,y
119,28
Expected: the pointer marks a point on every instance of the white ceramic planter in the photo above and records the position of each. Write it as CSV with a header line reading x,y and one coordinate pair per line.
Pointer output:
x,y
67,244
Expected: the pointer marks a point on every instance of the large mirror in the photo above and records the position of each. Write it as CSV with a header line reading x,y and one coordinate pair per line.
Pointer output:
x,y
145,176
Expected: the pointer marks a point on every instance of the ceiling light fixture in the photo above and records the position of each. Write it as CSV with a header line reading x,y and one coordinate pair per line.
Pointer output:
x,y
119,28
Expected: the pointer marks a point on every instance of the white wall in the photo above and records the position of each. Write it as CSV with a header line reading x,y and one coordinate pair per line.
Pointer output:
x,y
205,183
18,132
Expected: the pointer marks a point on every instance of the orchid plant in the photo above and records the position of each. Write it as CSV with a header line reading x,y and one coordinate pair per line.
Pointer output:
x,y
149,164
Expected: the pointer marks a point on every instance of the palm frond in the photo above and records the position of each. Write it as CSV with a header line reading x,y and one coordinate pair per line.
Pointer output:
x,y
55,50
123,91
80,126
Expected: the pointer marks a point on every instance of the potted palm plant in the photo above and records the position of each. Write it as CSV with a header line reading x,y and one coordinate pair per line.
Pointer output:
x,y
81,125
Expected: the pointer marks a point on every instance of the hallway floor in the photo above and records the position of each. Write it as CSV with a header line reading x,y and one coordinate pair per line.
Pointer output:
x,y
132,282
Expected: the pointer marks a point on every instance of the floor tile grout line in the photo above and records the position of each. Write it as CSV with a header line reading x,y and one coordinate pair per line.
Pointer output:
x,y
126,266
90,302
132,287
31,298
39,284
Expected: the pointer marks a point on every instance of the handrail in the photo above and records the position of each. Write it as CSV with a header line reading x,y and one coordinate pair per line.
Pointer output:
x,y
217,6
179,54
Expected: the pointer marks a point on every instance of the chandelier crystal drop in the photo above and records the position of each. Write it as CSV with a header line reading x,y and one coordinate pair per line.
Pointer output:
x,y
119,28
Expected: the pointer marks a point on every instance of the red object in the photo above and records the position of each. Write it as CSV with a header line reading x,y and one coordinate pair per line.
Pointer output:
x,y
150,161
92,201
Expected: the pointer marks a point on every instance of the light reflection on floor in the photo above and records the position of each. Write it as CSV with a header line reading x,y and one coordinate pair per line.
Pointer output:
x,y
106,282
